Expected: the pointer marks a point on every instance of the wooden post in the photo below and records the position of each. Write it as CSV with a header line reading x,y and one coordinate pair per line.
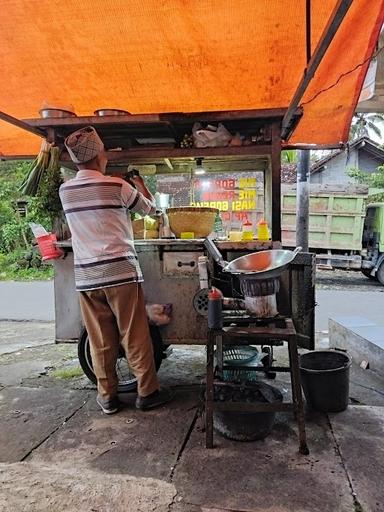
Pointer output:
x,y
272,186
302,200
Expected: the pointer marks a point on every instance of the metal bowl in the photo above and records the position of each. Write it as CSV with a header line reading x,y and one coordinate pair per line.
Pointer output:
x,y
55,112
111,112
262,264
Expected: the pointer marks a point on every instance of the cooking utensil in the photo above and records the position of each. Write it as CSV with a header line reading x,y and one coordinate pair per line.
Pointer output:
x,y
111,112
46,113
259,265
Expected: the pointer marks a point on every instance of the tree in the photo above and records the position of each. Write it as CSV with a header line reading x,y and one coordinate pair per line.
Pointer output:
x,y
364,124
374,179
289,156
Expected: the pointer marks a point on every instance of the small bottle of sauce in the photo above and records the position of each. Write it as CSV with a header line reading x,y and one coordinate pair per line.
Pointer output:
x,y
262,230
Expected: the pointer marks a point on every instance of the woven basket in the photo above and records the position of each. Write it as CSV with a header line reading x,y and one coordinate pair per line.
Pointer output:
x,y
199,221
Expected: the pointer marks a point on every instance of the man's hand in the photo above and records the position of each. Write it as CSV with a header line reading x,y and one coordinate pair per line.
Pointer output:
x,y
138,183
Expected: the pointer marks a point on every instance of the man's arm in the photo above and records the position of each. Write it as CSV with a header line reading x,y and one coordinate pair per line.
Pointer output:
x,y
138,182
139,199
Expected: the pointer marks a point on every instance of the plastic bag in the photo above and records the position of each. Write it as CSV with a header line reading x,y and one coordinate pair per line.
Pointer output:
x,y
38,230
210,137
158,314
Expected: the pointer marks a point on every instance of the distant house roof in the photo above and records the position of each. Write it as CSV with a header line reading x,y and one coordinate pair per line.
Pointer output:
x,y
363,142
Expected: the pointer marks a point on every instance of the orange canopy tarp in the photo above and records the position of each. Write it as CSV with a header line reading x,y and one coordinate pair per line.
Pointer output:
x,y
157,56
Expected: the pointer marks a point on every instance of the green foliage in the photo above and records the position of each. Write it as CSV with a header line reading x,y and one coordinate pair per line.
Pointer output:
x,y
376,198
151,183
17,259
365,124
23,265
289,156
374,179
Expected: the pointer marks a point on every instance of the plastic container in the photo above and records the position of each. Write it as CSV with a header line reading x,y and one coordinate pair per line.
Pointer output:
x,y
235,236
47,247
215,307
325,379
262,230
247,233
187,235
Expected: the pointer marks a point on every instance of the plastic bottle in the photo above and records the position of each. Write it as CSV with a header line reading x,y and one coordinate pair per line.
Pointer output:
x,y
247,233
218,225
262,230
215,307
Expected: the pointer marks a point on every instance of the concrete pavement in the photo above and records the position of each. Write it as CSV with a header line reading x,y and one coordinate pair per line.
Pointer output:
x,y
334,303
58,451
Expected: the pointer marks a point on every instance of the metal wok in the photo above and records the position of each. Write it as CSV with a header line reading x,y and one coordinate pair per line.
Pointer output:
x,y
259,265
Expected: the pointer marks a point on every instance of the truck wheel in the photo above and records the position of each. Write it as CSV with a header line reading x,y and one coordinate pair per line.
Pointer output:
x,y
367,273
127,380
380,274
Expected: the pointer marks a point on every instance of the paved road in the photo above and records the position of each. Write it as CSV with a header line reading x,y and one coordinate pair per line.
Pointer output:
x,y
26,301
337,294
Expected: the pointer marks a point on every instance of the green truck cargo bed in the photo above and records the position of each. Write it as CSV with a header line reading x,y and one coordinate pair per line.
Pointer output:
x,y
335,221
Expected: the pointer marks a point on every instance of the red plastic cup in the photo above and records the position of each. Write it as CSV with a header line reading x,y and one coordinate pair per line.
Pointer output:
x,y
47,247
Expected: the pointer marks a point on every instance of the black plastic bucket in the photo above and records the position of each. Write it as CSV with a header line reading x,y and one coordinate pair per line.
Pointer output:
x,y
325,379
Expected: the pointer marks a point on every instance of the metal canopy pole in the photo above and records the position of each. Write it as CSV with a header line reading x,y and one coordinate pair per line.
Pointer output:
x,y
302,200
302,186
330,30
40,132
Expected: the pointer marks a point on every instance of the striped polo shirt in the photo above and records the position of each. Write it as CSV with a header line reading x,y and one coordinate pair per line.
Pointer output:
x,y
97,211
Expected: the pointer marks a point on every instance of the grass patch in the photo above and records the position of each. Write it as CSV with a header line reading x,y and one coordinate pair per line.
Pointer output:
x,y
11,270
30,274
68,373
68,351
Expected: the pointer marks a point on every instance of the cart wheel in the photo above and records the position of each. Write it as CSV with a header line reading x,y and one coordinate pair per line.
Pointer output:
x,y
127,380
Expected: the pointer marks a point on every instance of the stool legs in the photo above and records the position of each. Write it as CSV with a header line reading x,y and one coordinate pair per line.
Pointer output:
x,y
209,392
297,396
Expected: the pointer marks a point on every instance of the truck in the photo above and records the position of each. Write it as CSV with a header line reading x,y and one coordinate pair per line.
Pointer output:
x,y
344,231
372,253
336,220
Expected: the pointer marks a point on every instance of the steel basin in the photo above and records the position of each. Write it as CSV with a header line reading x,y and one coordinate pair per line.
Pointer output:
x,y
262,264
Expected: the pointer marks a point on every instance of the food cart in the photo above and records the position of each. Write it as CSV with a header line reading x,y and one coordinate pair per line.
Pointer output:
x,y
170,266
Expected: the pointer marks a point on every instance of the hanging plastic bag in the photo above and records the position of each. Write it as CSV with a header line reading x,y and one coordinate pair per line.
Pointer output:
x,y
210,137
158,314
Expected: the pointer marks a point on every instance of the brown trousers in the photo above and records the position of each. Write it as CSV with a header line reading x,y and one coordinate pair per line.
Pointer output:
x,y
117,315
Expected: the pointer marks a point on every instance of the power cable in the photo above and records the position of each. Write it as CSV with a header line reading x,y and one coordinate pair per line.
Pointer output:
x,y
342,76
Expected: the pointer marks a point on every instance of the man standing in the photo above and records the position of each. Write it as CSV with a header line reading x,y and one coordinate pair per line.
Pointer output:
x,y
107,272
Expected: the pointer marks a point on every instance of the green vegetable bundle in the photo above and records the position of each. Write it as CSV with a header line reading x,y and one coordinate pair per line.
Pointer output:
x,y
43,181
50,182
31,184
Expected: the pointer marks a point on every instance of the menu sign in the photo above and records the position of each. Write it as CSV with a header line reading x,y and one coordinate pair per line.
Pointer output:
x,y
235,198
